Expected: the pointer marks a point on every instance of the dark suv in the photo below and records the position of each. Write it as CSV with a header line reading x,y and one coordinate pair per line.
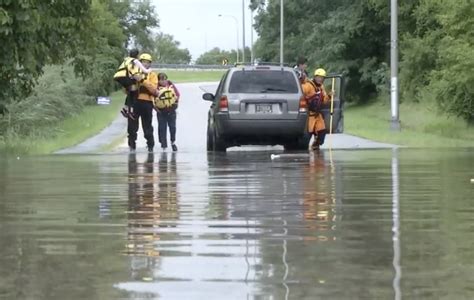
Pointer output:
x,y
257,105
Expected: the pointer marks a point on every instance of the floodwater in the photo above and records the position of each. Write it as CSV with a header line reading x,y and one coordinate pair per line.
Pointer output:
x,y
373,224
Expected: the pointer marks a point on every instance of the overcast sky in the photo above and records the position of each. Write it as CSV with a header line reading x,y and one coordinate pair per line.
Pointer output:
x,y
196,25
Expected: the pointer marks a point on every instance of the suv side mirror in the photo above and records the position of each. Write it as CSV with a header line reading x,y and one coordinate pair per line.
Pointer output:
x,y
208,97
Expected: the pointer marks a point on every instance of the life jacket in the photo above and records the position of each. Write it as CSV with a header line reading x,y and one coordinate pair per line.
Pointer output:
x,y
166,97
147,87
127,68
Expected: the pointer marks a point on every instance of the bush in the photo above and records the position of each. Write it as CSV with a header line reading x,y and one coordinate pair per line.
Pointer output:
x,y
57,95
438,57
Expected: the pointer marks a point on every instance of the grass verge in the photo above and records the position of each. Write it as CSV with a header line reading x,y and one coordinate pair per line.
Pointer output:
x,y
69,132
422,126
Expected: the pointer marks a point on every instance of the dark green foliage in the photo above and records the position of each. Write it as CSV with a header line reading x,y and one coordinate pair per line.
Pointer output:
x,y
352,37
36,33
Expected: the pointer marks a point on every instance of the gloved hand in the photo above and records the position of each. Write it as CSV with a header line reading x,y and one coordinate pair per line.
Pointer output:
x,y
174,106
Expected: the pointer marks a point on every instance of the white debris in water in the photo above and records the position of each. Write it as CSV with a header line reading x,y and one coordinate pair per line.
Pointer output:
x,y
289,155
472,180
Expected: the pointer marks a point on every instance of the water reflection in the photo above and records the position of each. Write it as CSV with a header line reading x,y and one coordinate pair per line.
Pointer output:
x,y
333,225
396,226
320,196
152,204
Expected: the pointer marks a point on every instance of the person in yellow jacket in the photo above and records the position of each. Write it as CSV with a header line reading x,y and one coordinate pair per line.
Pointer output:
x,y
315,96
143,107
128,74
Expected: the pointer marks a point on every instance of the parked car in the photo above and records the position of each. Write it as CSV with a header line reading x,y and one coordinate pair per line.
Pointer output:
x,y
257,105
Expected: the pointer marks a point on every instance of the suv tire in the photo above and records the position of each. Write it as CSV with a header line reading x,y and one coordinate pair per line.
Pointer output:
x,y
209,140
217,143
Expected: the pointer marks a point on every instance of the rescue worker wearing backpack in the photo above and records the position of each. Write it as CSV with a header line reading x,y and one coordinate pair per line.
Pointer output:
x,y
143,107
315,97
128,75
316,125
166,105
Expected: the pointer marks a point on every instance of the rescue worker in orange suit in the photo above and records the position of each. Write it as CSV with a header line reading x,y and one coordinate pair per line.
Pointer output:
x,y
143,107
316,96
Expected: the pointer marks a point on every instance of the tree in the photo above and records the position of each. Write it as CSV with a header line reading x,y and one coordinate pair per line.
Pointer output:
x,y
352,37
216,56
35,33
168,51
93,33
137,19
100,49
438,56
331,34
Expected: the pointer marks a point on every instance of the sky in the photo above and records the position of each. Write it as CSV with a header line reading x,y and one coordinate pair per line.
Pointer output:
x,y
196,25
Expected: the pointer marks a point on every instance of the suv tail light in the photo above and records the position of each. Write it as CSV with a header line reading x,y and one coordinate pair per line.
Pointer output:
x,y
303,105
223,104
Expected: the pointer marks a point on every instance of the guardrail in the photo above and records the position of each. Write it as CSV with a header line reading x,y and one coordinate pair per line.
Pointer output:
x,y
191,67
209,67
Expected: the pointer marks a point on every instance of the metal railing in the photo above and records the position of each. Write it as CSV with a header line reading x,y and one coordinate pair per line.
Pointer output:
x,y
190,67
212,67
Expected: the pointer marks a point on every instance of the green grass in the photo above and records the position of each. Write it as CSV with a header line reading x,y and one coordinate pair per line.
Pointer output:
x,y
193,76
91,120
422,126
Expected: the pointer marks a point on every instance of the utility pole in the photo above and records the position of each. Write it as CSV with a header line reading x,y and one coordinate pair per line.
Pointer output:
x,y
395,122
281,32
243,31
252,58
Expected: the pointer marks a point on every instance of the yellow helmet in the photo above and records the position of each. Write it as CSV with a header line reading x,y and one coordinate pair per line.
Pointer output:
x,y
320,72
145,56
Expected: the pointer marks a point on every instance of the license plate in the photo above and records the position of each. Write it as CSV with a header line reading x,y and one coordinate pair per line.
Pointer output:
x,y
263,108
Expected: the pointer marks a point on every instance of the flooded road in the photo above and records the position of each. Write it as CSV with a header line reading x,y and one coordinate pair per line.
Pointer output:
x,y
347,224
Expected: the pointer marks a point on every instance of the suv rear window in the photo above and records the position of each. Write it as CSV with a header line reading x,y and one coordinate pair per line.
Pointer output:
x,y
263,81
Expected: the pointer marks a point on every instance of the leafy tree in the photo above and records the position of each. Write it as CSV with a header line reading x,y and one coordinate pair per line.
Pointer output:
x,y
216,56
100,49
137,19
93,33
331,34
168,51
352,37
35,33
438,56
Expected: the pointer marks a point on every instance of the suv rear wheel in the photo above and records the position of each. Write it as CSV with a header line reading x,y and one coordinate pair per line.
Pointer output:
x,y
218,144
209,140
213,142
